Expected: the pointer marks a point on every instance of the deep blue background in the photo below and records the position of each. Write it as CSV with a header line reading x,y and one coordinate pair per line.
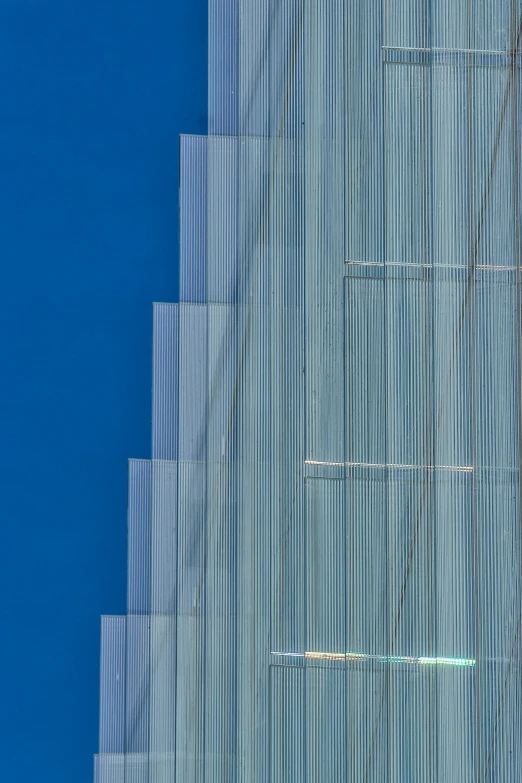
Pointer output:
x,y
93,97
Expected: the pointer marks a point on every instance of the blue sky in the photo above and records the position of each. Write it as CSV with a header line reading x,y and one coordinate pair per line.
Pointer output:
x,y
94,95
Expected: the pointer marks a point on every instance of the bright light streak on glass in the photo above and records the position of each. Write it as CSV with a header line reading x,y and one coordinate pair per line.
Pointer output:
x,y
357,657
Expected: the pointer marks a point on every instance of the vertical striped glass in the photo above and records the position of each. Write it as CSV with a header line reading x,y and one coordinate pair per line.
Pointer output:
x,y
325,549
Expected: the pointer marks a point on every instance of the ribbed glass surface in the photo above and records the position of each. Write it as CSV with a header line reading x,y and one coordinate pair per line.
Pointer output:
x,y
325,551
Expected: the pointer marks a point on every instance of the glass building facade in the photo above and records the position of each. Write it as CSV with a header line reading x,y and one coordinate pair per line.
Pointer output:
x,y
325,549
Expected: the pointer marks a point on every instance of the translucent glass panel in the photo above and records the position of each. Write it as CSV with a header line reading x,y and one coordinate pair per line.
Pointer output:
x,y
138,537
435,352
497,345
165,512
325,550
365,365
480,24
324,123
288,711
110,768
494,183
112,685
451,181
406,153
193,212
414,715
408,359
165,374
364,122
447,178
324,367
326,572
222,245
499,617
223,67
124,691
367,566
137,687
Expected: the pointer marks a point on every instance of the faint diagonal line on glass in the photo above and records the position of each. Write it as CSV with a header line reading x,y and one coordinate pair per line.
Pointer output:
x,y
458,332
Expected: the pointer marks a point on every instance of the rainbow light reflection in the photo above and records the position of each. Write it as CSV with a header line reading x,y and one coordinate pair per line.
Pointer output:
x,y
356,657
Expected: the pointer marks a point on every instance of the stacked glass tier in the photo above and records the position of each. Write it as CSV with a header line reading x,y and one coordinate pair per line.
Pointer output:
x,y
325,549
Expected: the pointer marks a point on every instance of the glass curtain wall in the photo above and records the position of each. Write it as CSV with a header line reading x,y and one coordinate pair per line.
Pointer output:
x,y
325,549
